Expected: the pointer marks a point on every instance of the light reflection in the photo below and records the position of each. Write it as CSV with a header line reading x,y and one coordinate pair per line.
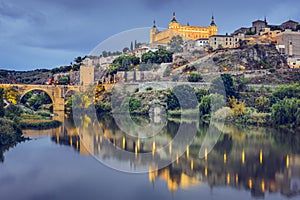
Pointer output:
x,y
260,157
225,158
138,144
123,142
192,164
228,178
250,183
205,153
236,178
205,171
263,186
243,156
71,141
287,161
187,152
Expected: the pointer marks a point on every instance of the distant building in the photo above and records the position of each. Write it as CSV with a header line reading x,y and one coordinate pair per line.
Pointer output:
x,y
288,42
202,42
87,75
99,61
259,25
223,41
290,24
187,32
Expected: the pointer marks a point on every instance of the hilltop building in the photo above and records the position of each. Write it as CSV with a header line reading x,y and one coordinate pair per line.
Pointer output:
x,y
187,32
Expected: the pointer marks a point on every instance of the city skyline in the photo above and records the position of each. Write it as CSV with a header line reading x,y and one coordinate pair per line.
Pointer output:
x,y
52,33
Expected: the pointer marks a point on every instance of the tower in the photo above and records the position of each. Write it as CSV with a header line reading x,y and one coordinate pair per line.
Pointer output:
x,y
213,29
153,32
174,24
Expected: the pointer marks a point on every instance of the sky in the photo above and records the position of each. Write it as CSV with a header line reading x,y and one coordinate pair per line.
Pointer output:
x,y
37,34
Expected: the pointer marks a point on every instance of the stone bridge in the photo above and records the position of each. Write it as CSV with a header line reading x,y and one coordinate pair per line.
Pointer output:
x,y
57,93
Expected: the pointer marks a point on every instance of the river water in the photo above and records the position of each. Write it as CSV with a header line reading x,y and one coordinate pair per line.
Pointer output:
x,y
245,163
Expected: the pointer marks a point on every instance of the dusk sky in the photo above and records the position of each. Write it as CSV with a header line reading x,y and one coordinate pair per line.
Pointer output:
x,y
46,34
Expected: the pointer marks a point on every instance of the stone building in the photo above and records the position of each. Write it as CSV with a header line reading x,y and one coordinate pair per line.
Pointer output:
x,y
223,41
290,24
87,75
288,43
187,32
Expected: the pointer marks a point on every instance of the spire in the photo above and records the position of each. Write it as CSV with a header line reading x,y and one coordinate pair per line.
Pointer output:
x,y
174,18
266,20
212,21
154,24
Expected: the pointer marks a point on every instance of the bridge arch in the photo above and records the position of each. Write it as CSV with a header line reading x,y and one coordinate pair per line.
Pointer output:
x,y
49,93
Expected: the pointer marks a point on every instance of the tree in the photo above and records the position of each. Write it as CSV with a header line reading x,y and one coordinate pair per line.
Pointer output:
x,y
131,46
175,44
104,54
224,82
286,111
211,103
78,60
195,77
160,56
125,50
64,80
1,102
262,104
11,95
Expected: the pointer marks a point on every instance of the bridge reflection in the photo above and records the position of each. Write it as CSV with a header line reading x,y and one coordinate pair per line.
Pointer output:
x,y
256,163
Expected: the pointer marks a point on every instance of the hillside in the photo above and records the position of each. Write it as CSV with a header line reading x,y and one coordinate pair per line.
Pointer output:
x,y
38,76
248,57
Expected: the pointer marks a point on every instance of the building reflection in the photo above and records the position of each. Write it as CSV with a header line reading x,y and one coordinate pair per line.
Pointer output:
x,y
254,164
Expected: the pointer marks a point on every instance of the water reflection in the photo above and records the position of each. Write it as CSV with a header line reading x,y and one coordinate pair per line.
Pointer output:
x,y
257,160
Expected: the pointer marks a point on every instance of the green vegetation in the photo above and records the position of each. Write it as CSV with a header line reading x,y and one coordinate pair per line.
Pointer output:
x,y
286,112
36,99
175,44
39,124
158,57
1,103
195,77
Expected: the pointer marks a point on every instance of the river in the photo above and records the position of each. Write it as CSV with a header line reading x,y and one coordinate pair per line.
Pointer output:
x,y
245,163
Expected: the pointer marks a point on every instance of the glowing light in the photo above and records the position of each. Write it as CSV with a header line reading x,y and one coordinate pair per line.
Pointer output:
x,y
77,144
71,141
136,151
187,152
123,142
177,158
243,156
225,158
205,153
228,178
287,161
153,148
263,186
236,178
138,144
170,148
98,148
205,171
260,157
250,183
192,164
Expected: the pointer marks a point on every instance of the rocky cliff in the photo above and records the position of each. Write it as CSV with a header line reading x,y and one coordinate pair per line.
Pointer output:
x,y
249,57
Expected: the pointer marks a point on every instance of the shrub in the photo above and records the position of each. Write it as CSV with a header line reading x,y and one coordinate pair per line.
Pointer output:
x,y
272,70
195,77
286,112
10,133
